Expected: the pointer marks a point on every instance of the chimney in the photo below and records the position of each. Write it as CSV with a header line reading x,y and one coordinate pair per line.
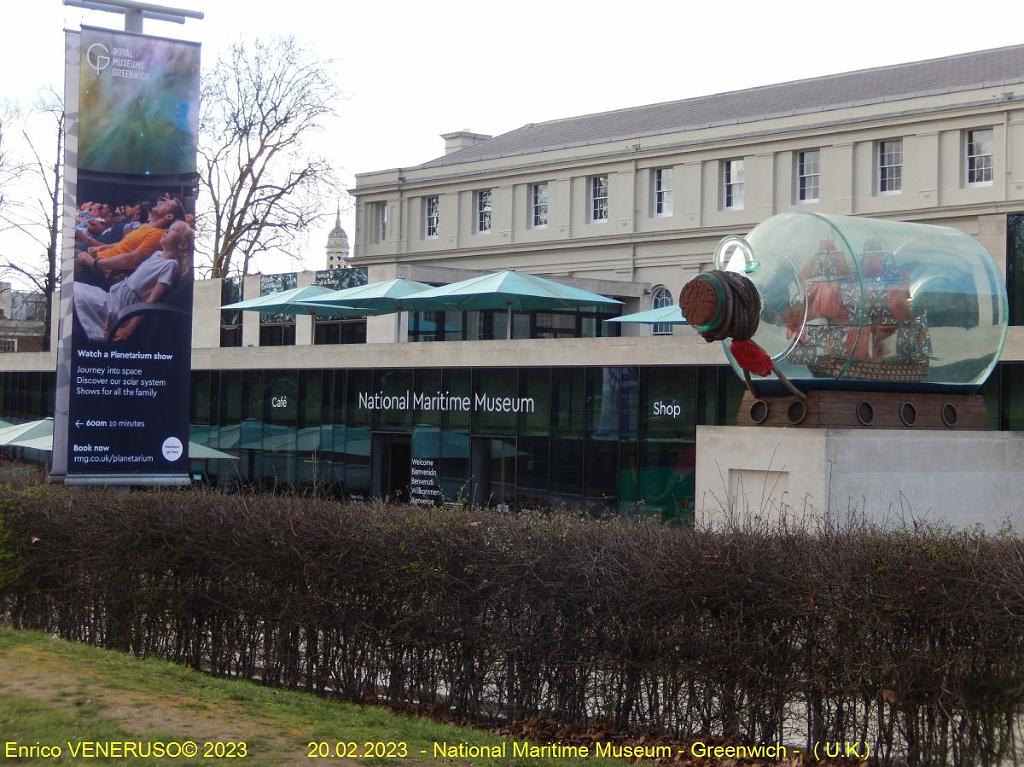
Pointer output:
x,y
453,142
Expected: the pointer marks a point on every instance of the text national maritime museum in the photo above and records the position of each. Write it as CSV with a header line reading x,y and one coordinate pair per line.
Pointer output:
x,y
534,404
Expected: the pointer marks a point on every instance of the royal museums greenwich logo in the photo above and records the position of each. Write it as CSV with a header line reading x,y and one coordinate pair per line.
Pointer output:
x,y
120,59
98,56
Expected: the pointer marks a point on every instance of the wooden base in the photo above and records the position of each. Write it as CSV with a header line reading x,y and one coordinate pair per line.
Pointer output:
x,y
867,410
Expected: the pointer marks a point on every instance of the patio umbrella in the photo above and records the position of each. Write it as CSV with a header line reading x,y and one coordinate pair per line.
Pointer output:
x,y
44,443
38,435
197,451
13,435
291,302
378,297
664,315
510,290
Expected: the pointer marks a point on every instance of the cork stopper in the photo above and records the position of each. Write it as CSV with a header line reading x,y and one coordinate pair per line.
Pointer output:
x,y
699,301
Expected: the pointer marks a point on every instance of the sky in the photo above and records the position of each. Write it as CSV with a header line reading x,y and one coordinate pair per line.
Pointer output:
x,y
410,71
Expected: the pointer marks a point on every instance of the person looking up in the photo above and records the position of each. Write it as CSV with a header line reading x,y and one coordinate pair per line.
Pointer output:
x,y
137,245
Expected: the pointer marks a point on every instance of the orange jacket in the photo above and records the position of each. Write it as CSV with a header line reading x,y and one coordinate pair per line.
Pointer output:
x,y
145,239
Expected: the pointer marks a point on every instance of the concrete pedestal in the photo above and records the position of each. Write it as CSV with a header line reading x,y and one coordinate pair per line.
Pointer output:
x,y
956,478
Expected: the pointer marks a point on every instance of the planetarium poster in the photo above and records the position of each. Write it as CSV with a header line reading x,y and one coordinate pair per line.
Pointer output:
x,y
126,331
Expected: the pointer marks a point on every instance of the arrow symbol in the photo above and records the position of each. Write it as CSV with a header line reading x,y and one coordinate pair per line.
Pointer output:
x,y
78,424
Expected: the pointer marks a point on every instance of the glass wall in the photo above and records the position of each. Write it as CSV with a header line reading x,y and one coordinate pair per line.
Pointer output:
x,y
602,438
26,396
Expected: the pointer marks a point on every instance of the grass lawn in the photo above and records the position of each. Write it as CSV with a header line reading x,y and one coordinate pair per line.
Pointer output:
x,y
67,695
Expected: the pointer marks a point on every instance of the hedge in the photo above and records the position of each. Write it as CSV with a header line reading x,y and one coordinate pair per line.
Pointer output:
x,y
912,640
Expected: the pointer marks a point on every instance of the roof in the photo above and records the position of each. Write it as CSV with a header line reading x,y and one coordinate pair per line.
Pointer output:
x,y
966,71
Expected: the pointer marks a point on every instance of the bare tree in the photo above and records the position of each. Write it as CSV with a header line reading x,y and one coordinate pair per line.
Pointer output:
x,y
35,211
261,183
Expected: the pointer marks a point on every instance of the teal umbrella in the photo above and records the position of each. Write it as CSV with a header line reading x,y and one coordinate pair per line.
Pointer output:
x,y
510,290
664,315
378,297
197,451
291,302
13,436
38,435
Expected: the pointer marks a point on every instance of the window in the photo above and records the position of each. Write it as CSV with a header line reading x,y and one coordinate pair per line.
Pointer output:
x,y
732,184
1015,267
978,151
483,211
379,213
431,216
230,319
598,199
277,329
329,330
539,205
890,165
660,298
807,175
662,191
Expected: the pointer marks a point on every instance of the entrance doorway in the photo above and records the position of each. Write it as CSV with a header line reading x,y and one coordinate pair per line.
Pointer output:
x,y
392,455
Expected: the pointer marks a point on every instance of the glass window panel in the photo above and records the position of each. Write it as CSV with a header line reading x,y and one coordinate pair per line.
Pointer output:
x,y
230,399
252,394
668,406
455,465
502,470
532,464
311,410
200,395
536,383
567,466
495,401
280,407
568,402
602,446
357,440
280,398
457,385
396,388
452,325
1015,267
427,385
230,320
521,325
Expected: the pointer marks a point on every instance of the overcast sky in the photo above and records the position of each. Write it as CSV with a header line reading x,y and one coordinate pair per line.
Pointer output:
x,y
414,70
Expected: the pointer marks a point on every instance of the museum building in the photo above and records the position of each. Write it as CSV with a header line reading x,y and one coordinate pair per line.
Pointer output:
x,y
567,407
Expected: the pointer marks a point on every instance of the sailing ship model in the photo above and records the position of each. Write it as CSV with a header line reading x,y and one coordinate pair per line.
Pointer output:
x,y
861,328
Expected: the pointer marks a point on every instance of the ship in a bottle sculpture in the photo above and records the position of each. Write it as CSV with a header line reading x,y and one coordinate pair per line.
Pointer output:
x,y
845,321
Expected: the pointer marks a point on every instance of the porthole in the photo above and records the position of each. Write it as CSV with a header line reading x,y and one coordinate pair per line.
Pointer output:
x,y
949,414
759,411
908,414
797,411
865,413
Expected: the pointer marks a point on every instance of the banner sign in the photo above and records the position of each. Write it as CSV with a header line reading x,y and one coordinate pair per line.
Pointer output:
x,y
126,336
